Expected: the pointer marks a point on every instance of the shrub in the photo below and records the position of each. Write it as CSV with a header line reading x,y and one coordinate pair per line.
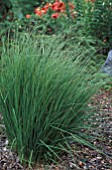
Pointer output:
x,y
54,17
98,20
44,95
50,18
22,7
5,13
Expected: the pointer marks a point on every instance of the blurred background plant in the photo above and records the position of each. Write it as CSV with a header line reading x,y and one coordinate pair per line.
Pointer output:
x,y
97,16
5,10
52,19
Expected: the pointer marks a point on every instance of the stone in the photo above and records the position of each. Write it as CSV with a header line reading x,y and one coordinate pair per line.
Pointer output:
x,y
107,66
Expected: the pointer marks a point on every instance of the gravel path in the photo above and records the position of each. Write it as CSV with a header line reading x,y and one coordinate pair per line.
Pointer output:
x,y
83,157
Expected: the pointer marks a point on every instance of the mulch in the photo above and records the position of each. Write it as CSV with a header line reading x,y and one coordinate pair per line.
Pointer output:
x,y
83,157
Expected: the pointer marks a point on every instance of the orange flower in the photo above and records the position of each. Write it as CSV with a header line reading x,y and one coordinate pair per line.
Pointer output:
x,y
54,6
62,5
28,16
55,15
39,12
47,6
43,11
58,6
36,10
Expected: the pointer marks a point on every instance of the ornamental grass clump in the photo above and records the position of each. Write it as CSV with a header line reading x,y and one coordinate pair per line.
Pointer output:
x,y
44,95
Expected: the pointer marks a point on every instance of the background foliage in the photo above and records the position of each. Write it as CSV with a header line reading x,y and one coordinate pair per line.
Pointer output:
x,y
96,17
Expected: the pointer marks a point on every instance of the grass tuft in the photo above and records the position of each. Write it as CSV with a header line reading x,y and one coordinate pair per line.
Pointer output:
x,y
45,95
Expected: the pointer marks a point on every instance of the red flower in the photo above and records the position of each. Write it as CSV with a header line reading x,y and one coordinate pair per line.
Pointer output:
x,y
58,6
55,15
39,12
47,6
28,16
43,11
